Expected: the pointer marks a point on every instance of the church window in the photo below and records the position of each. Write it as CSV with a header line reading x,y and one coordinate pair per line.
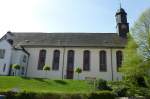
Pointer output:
x,y
4,67
2,53
42,57
119,59
56,56
86,60
70,59
103,61
24,58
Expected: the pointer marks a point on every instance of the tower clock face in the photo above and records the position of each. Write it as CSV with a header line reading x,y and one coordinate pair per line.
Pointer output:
x,y
123,26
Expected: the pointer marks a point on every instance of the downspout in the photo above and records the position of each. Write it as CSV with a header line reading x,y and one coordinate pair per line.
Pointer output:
x,y
112,73
27,66
63,63
10,63
27,59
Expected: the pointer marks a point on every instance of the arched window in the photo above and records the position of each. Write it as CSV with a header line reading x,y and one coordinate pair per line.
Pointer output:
x,y
42,57
86,60
70,60
119,59
103,61
56,56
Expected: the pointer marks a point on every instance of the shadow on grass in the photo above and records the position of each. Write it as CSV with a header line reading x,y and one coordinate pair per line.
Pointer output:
x,y
26,78
42,80
60,82
38,79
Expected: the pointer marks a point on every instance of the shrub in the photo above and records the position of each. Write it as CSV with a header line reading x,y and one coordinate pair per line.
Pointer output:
x,y
46,68
141,82
78,70
102,85
121,91
32,95
25,95
48,96
16,66
102,95
121,88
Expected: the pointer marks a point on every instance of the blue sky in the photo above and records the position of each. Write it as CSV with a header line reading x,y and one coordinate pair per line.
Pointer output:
x,y
65,15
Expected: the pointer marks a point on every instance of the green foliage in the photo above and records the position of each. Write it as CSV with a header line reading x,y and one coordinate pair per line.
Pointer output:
x,y
33,95
134,66
120,89
124,89
102,95
16,66
102,85
138,91
78,70
46,68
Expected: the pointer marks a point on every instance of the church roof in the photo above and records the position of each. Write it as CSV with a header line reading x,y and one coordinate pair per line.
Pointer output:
x,y
69,40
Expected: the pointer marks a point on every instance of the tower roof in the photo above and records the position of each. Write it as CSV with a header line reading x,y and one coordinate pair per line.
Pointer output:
x,y
121,11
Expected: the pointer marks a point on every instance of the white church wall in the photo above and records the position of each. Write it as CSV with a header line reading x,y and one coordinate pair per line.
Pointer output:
x,y
32,70
94,63
7,57
17,58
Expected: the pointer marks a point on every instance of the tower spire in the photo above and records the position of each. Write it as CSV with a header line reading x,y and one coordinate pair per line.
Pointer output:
x,y
120,3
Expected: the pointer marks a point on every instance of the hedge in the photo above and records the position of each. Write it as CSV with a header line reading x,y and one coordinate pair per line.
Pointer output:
x,y
102,95
32,95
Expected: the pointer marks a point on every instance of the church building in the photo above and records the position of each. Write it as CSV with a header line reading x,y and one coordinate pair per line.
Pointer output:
x,y
99,55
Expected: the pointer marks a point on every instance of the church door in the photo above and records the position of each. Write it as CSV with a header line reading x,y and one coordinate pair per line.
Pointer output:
x,y
70,64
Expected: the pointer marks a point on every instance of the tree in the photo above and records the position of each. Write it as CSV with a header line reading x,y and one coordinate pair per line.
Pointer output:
x,y
136,61
78,70
46,68
16,67
130,67
141,34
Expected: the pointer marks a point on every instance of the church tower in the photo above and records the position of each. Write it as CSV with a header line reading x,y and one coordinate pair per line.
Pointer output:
x,y
122,24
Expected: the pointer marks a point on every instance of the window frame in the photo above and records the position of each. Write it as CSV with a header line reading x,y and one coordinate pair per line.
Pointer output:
x,y
56,60
70,59
42,59
24,58
102,61
119,58
86,60
2,53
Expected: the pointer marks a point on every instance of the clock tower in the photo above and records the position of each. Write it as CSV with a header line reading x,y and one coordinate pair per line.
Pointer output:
x,y
122,24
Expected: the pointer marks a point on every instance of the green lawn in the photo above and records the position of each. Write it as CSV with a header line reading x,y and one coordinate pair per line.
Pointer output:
x,y
8,83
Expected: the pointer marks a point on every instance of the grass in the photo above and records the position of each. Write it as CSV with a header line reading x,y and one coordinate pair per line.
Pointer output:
x,y
9,83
